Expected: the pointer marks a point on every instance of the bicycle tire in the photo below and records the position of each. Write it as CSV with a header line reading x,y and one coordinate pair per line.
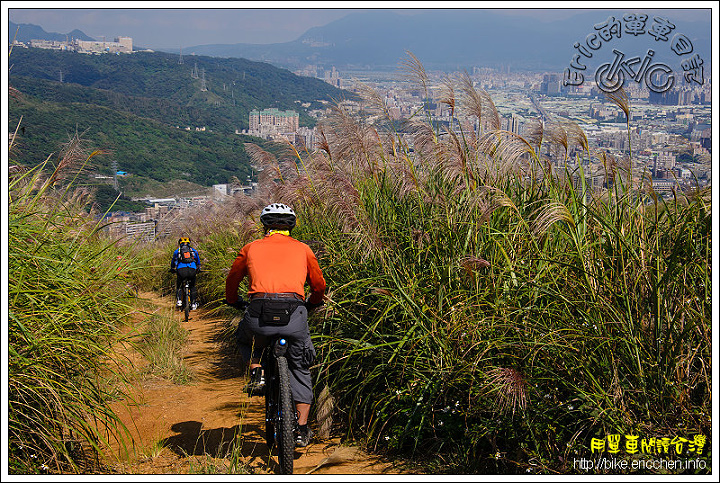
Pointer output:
x,y
186,301
286,419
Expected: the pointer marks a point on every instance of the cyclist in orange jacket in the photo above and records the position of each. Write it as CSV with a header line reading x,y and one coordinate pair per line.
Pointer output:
x,y
278,267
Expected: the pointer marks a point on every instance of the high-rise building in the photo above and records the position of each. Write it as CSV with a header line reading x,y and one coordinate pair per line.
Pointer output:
x,y
333,77
550,84
273,121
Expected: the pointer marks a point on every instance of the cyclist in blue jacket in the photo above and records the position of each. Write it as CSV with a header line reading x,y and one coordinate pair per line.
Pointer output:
x,y
186,263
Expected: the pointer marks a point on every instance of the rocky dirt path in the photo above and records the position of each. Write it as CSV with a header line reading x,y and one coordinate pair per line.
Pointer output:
x,y
210,426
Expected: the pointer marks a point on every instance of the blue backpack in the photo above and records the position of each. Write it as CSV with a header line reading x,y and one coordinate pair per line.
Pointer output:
x,y
185,255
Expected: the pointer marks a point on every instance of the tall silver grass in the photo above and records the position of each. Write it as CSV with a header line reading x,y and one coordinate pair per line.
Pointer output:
x,y
68,289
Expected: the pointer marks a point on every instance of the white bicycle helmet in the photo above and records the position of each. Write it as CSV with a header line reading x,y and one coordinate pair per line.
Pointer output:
x,y
278,216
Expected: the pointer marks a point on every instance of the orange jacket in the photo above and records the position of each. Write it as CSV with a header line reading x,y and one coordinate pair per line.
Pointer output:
x,y
276,264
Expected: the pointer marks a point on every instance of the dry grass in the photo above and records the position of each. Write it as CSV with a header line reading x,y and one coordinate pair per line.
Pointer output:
x,y
511,389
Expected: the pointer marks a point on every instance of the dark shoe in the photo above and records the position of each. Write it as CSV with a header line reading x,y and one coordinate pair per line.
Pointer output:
x,y
256,386
303,436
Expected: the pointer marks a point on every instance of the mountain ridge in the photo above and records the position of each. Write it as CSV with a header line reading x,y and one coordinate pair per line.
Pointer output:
x,y
25,32
379,39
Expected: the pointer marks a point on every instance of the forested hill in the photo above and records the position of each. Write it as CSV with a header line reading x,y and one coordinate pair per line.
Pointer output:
x,y
143,82
138,106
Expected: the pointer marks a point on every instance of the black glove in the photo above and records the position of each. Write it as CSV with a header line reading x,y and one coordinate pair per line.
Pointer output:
x,y
172,270
311,307
240,304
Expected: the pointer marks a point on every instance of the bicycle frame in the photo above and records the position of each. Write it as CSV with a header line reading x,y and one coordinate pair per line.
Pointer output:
x,y
186,298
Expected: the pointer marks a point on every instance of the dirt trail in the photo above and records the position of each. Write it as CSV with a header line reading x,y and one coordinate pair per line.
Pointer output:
x,y
192,428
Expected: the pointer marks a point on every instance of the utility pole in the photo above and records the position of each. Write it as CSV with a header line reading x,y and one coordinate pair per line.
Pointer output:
x,y
203,86
115,170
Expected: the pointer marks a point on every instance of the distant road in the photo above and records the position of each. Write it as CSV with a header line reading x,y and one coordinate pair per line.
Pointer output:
x,y
538,108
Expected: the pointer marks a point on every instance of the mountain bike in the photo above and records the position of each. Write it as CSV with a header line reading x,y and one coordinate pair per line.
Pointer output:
x,y
185,274
280,415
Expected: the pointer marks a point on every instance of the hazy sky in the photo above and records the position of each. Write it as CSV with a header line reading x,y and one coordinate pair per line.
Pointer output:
x,y
173,28
151,24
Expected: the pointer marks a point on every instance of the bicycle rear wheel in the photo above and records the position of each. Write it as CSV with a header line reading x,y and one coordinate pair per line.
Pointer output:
x,y
284,432
186,301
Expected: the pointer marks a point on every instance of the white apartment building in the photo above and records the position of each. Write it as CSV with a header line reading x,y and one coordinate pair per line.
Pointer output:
x,y
273,121
121,44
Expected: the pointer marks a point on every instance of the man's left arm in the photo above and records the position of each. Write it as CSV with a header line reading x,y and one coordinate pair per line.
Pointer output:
x,y
315,279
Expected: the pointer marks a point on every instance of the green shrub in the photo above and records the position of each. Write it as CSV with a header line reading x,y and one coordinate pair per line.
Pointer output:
x,y
68,289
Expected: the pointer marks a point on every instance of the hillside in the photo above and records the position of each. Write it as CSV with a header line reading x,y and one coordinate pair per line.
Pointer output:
x,y
145,108
142,82
141,146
